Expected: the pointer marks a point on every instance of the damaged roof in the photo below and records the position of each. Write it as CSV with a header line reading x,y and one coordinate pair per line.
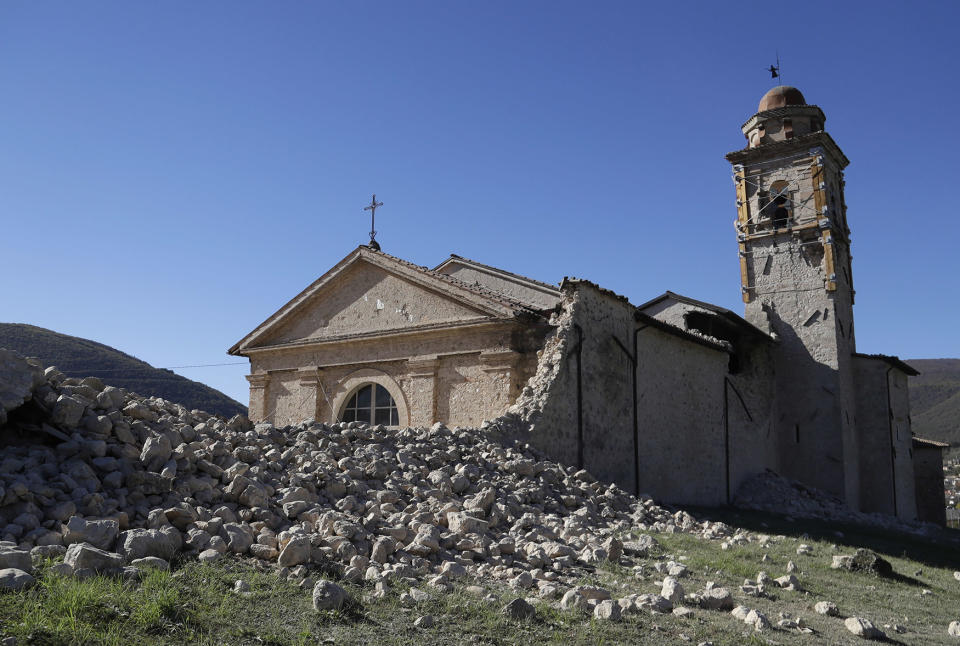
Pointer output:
x,y
722,312
521,277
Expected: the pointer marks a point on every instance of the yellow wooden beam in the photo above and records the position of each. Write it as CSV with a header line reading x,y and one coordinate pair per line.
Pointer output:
x,y
818,180
743,217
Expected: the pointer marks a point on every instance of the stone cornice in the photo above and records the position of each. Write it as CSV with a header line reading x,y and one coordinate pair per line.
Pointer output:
x,y
497,360
258,380
787,146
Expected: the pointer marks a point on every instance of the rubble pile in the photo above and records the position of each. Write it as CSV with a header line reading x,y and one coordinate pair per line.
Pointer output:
x,y
770,492
112,480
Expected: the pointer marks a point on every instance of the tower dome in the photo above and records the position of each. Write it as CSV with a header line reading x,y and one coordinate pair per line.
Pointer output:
x,y
780,97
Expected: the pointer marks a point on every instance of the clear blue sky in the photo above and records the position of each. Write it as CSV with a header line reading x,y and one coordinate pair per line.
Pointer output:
x,y
171,173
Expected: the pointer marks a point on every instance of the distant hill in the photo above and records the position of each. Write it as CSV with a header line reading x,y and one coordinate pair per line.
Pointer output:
x,y
935,400
77,357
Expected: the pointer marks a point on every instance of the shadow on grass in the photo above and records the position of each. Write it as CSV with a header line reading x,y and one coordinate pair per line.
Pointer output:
x,y
939,550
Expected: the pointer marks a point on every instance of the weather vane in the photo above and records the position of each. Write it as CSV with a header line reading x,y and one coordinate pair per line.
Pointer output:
x,y
775,69
372,207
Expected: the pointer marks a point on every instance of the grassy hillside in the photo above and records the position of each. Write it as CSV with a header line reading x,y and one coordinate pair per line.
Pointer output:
x,y
77,357
935,399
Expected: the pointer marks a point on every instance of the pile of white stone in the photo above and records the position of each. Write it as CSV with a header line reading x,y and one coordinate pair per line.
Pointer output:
x,y
773,493
107,479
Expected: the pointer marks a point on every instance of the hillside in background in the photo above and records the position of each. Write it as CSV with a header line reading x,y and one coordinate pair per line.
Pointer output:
x,y
77,357
935,400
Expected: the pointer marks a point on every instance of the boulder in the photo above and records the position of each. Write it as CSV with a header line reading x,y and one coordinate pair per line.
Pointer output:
x,y
716,599
295,552
518,609
327,595
608,610
99,533
863,628
82,556
573,600
15,579
863,561
67,411
672,590
238,537
162,543
156,451
151,562
12,557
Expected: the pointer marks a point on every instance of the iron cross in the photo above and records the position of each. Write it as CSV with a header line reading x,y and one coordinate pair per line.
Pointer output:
x,y
373,212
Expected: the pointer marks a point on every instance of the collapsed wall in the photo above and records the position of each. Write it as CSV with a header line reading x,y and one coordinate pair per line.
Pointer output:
x,y
631,399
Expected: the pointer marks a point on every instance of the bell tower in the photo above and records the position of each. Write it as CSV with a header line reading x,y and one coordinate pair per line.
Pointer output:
x,y
796,282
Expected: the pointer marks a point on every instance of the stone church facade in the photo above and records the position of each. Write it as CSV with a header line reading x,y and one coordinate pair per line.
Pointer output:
x,y
675,397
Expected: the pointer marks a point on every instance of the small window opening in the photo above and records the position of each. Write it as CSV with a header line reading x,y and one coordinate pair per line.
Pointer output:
x,y
788,128
780,206
796,433
371,404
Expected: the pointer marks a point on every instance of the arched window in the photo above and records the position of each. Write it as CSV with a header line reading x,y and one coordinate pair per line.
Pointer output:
x,y
781,209
371,404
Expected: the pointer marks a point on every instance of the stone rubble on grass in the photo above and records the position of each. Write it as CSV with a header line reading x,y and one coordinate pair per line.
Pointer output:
x,y
769,492
956,575
826,608
863,628
116,484
954,629
125,478
863,560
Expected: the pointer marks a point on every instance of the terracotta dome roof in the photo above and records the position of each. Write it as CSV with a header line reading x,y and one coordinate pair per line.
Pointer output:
x,y
781,96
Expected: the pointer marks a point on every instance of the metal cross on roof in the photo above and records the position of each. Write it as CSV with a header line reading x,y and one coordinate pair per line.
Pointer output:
x,y
372,207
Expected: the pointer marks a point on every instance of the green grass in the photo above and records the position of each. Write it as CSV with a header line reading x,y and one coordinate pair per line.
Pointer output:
x,y
195,603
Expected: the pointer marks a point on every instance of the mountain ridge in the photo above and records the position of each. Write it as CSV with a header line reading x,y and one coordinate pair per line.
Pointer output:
x,y
935,400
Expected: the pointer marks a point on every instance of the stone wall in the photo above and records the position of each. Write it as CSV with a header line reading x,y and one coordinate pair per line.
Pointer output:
x,y
683,441
459,379
750,401
886,455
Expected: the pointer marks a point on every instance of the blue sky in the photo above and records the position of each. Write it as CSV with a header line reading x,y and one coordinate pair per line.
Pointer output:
x,y
171,173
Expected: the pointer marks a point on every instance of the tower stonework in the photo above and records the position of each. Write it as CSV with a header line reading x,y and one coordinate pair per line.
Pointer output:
x,y
796,281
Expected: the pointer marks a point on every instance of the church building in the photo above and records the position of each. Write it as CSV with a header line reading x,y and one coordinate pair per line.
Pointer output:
x,y
674,397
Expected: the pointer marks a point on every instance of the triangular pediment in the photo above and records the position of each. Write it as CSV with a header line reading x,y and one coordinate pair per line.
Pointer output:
x,y
370,293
